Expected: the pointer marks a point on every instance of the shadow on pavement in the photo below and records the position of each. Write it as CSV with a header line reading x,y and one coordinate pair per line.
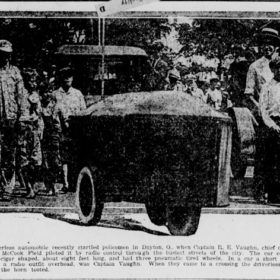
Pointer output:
x,y
114,222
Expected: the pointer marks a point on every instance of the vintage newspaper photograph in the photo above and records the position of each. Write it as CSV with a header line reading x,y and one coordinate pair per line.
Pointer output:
x,y
139,139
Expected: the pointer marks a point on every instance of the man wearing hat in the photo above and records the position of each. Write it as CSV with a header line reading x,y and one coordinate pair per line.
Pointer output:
x,y
270,113
260,73
70,101
12,99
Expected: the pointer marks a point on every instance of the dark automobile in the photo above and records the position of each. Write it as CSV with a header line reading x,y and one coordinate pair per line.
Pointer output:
x,y
126,69
165,149
158,148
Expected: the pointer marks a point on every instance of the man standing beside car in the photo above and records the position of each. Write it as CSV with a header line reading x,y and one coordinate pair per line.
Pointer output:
x,y
70,101
12,98
258,75
270,113
259,72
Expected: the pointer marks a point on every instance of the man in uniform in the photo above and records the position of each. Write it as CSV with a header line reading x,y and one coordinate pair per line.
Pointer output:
x,y
259,72
270,113
12,99
70,101
258,75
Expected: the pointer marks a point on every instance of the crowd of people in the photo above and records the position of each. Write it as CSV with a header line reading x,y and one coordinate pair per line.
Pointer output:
x,y
35,109
201,71
245,76
34,126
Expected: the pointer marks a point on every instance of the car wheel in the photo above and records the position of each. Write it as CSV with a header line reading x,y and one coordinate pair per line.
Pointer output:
x,y
156,213
183,220
88,205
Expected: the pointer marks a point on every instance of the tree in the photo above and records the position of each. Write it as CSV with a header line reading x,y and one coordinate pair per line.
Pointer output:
x,y
36,39
135,32
219,33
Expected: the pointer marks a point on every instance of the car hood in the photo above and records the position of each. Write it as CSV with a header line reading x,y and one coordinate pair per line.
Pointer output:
x,y
153,103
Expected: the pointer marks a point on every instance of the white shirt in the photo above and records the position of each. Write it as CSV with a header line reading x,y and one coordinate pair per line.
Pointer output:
x,y
270,102
71,102
258,74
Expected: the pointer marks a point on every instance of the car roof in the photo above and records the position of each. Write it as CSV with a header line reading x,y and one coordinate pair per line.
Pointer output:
x,y
96,50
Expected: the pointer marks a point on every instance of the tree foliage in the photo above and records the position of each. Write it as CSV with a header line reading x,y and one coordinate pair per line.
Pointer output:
x,y
36,39
220,33
135,32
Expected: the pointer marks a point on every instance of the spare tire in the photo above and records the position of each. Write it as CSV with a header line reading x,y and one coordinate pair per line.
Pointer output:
x,y
243,141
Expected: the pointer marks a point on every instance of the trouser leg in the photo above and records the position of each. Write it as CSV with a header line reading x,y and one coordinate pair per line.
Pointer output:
x,y
50,182
260,165
52,161
52,172
25,176
65,177
272,167
8,153
65,155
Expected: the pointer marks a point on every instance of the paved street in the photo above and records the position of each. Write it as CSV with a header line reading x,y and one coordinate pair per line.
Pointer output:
x,y
53,221
241,202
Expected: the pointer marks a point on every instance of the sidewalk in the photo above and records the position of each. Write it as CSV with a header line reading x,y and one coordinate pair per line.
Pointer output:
x,y
244,205
238,205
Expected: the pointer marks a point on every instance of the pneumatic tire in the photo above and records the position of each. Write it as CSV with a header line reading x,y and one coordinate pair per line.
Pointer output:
x,y
88,204
183,220
156,213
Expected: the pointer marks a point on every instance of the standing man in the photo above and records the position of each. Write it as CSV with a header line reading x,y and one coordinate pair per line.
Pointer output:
x,y
70,101
12,99
258,75
30,131
270,113
259,72
238,73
